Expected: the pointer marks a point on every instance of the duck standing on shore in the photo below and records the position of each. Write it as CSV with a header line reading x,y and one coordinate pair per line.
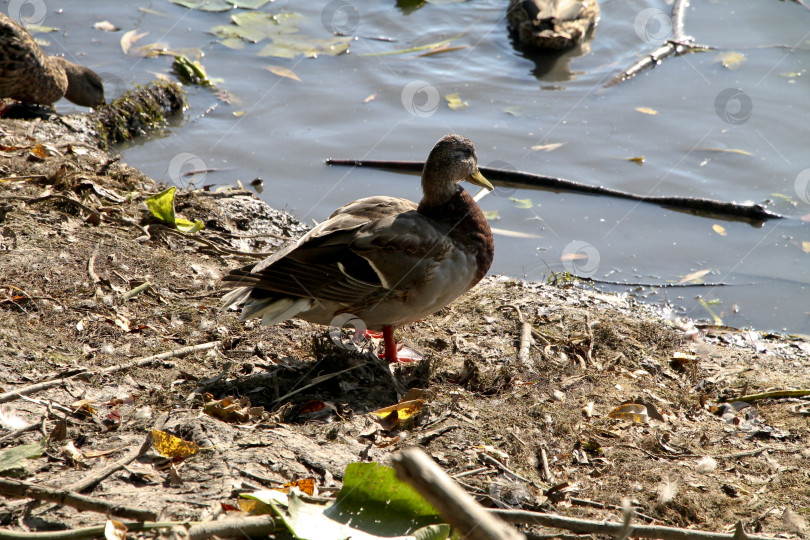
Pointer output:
x,y
30,76
384,260
552,24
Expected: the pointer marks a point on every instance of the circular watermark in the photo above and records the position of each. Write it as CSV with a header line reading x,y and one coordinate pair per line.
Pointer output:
x,y
802,186
356,341
186,169
580,259
508,493
733,106
27,12
340,18
500,191
114,86
653,26
420,98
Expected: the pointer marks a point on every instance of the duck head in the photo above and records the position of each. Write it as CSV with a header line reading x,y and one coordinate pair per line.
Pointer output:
x,y
451,161
85,87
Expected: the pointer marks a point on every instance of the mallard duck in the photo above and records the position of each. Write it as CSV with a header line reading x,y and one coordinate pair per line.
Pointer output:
x,y
552,24
30,76
384,260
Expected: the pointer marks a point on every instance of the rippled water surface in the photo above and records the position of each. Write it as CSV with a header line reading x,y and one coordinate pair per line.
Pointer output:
x,y
367,105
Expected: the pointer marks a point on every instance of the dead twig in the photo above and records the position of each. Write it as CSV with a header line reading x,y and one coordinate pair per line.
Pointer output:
x,y
455,505
585,526
486,458
252,526
25,490
31,389
752,213
678,45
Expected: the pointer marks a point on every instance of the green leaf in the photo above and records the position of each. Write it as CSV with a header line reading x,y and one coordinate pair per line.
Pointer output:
x,y
249,4
433,532
455,103
186,226
522,203
374,500
204,5
12,459
162,205
190,72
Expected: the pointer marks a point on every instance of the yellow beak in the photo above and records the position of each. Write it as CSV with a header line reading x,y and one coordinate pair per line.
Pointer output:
x,y
478,179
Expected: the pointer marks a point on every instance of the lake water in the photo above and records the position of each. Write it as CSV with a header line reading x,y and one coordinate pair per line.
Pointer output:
x,y
522,113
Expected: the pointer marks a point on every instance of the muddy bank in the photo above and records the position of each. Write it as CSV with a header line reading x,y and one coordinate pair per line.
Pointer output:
x,y
531,375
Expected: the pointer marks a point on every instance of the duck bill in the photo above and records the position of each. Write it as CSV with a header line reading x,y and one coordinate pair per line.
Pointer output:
x,y
478,179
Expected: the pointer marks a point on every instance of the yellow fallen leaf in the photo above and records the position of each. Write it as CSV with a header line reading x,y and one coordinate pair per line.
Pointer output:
x,y
726,150
129,38
647,110
638,160
282,72
170,446
694,276
732,60
513,234
719,229
806,247
548,147
454,102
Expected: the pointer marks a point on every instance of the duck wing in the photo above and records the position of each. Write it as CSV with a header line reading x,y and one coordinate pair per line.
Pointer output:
x,y
26,72
363,252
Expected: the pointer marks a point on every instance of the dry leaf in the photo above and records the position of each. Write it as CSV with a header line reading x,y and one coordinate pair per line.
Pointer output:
x,y
513,234
694,276
115,530
106,26
719,229
130,38
548,147
806,246
632,412
173,447
638,160
647,110
732,60
282,72
454,102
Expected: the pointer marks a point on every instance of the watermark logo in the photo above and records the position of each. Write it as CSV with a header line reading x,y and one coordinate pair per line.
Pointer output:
x,y
186,169
507,492
580,259
27,12
420,98
340,18
653,26
114,86
354,342
503,191
733,106
802,186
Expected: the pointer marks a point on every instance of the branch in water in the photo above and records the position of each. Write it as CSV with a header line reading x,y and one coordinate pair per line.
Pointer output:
x,y
508,178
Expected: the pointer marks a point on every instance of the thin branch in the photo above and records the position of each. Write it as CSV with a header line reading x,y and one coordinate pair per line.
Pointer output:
x,y
16,394
755,213
25,490
678,45
585,526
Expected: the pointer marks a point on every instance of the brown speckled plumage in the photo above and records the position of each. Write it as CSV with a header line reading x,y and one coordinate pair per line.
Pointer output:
x,y
384,260
30,76
552,24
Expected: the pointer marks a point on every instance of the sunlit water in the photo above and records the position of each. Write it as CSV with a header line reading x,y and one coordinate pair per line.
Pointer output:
x,y
287,128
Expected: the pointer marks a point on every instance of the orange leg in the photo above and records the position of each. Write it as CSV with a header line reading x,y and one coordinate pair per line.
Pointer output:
x,y
390,344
